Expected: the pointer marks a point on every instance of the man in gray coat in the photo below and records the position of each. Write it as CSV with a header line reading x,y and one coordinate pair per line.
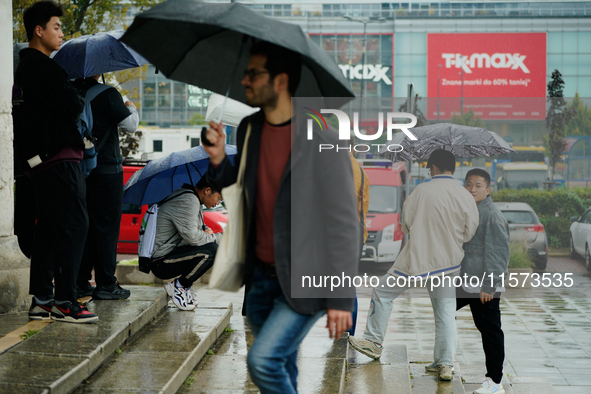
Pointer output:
x,y
184,246
486,256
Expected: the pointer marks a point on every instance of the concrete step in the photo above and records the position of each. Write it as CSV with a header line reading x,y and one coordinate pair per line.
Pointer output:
x,y
389,374
61,355
321,363
164,354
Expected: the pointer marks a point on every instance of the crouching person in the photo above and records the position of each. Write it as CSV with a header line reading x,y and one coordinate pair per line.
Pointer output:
x,y
184,247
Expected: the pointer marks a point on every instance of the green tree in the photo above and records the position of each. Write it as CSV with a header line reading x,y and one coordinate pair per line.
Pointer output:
x,y
558,116
82,16
580,124
196,120
467,119
416,111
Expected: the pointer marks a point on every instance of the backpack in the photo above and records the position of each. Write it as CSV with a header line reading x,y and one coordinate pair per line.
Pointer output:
x,y
148,234
85,125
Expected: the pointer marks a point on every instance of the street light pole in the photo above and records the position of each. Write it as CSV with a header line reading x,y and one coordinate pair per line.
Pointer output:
x,y
438,84
462,94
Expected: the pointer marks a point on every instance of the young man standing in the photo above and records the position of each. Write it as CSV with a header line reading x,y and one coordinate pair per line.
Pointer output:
x,y
440,217
184,246
277,242
487,253
104,191
48,148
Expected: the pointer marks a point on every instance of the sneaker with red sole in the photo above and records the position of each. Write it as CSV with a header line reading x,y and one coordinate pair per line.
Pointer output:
x,y
72,313
39,311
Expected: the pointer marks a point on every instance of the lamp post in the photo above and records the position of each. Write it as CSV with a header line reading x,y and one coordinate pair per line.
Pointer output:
x,y
438,84
462,93
365,22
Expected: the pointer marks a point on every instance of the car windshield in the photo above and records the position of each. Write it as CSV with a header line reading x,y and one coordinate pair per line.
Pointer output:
x,y
520,217
525,179
383,199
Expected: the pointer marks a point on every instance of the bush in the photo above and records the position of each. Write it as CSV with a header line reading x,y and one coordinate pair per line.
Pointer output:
x,y
519,256
553,207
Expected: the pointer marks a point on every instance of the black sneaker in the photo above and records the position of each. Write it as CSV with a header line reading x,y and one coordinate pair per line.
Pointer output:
x,y
40,311
85,290
72,313
111,292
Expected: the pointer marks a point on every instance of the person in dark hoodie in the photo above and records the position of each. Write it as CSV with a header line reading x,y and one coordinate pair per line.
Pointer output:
x,y
104,191
48,148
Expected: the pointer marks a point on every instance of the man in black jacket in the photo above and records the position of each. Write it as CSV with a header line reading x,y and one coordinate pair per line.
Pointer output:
x,y
322,233
104,191
48,148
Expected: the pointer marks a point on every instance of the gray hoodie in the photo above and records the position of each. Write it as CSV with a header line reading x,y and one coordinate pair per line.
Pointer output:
x,y
180,222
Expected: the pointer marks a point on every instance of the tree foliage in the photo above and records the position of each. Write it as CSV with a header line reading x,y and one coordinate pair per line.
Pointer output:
x,y
580,124
83,16
467,119
416,111
557,117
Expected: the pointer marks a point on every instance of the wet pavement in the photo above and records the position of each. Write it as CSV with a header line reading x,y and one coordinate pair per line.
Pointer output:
x,y
547,335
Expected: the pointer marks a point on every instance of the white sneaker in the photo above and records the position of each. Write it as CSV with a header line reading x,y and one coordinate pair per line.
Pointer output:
x,y
445,372
192,297
369,348
433,368
180,296
490,387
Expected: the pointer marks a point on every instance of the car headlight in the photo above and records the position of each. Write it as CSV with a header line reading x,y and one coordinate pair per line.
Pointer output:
x,y
388,233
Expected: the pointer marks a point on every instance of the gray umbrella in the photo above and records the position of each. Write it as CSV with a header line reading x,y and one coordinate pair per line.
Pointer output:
x,y
462,141
203,43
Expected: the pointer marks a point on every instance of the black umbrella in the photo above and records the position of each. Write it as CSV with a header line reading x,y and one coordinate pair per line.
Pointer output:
x,y
203,43
462,141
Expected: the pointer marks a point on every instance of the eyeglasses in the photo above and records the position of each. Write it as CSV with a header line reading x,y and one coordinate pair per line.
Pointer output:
x,y
252,73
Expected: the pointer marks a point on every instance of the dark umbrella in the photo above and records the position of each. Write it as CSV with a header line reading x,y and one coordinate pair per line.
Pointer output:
x,y
203,43
97,54
462,141
16,48
161,177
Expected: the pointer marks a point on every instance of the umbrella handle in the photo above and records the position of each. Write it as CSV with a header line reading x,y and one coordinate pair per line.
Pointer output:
x,y
204,139
232,76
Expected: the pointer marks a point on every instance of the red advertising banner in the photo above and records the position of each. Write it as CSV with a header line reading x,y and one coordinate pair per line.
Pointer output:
x,y
491,73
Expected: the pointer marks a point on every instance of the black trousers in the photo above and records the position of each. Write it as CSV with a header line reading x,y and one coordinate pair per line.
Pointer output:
x,y
25,213
190,262
60,232
487,318
104,201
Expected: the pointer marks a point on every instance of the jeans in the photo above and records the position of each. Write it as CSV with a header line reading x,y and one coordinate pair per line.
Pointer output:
x,y
444,309
487,318
278,332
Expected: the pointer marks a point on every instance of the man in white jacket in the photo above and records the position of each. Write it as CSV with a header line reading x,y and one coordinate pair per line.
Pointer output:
x,y
184,246
440,216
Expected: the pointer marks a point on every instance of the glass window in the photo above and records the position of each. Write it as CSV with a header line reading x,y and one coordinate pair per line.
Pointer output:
x,y
164,101
569,42
584,40
132,209
194,142
403,65
584,64
554,63
157,146
554,42
418,65
569,65
584,87
383,199
149,88
570,85
403,44
521,217
418,43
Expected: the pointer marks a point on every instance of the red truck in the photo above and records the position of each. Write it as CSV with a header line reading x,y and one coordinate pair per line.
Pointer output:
x,y
387,192
132,216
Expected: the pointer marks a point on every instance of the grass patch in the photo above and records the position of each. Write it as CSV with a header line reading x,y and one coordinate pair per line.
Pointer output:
x,y
210,352
519,256
190,379
128,262
228,330
28,334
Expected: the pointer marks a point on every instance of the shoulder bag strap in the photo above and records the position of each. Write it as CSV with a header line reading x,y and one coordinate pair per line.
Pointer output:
x,y
240,178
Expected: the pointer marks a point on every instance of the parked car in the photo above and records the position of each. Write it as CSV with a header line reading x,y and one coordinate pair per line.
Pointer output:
x,y
580,237
525,226
132,217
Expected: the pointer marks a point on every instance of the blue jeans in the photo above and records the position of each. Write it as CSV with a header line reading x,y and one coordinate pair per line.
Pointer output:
x,y
278,332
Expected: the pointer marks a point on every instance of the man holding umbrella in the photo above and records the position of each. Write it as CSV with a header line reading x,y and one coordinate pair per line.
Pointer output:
x,y
279,319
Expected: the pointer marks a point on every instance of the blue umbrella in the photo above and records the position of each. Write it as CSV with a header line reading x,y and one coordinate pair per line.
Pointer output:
x,y
161,177
96,54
